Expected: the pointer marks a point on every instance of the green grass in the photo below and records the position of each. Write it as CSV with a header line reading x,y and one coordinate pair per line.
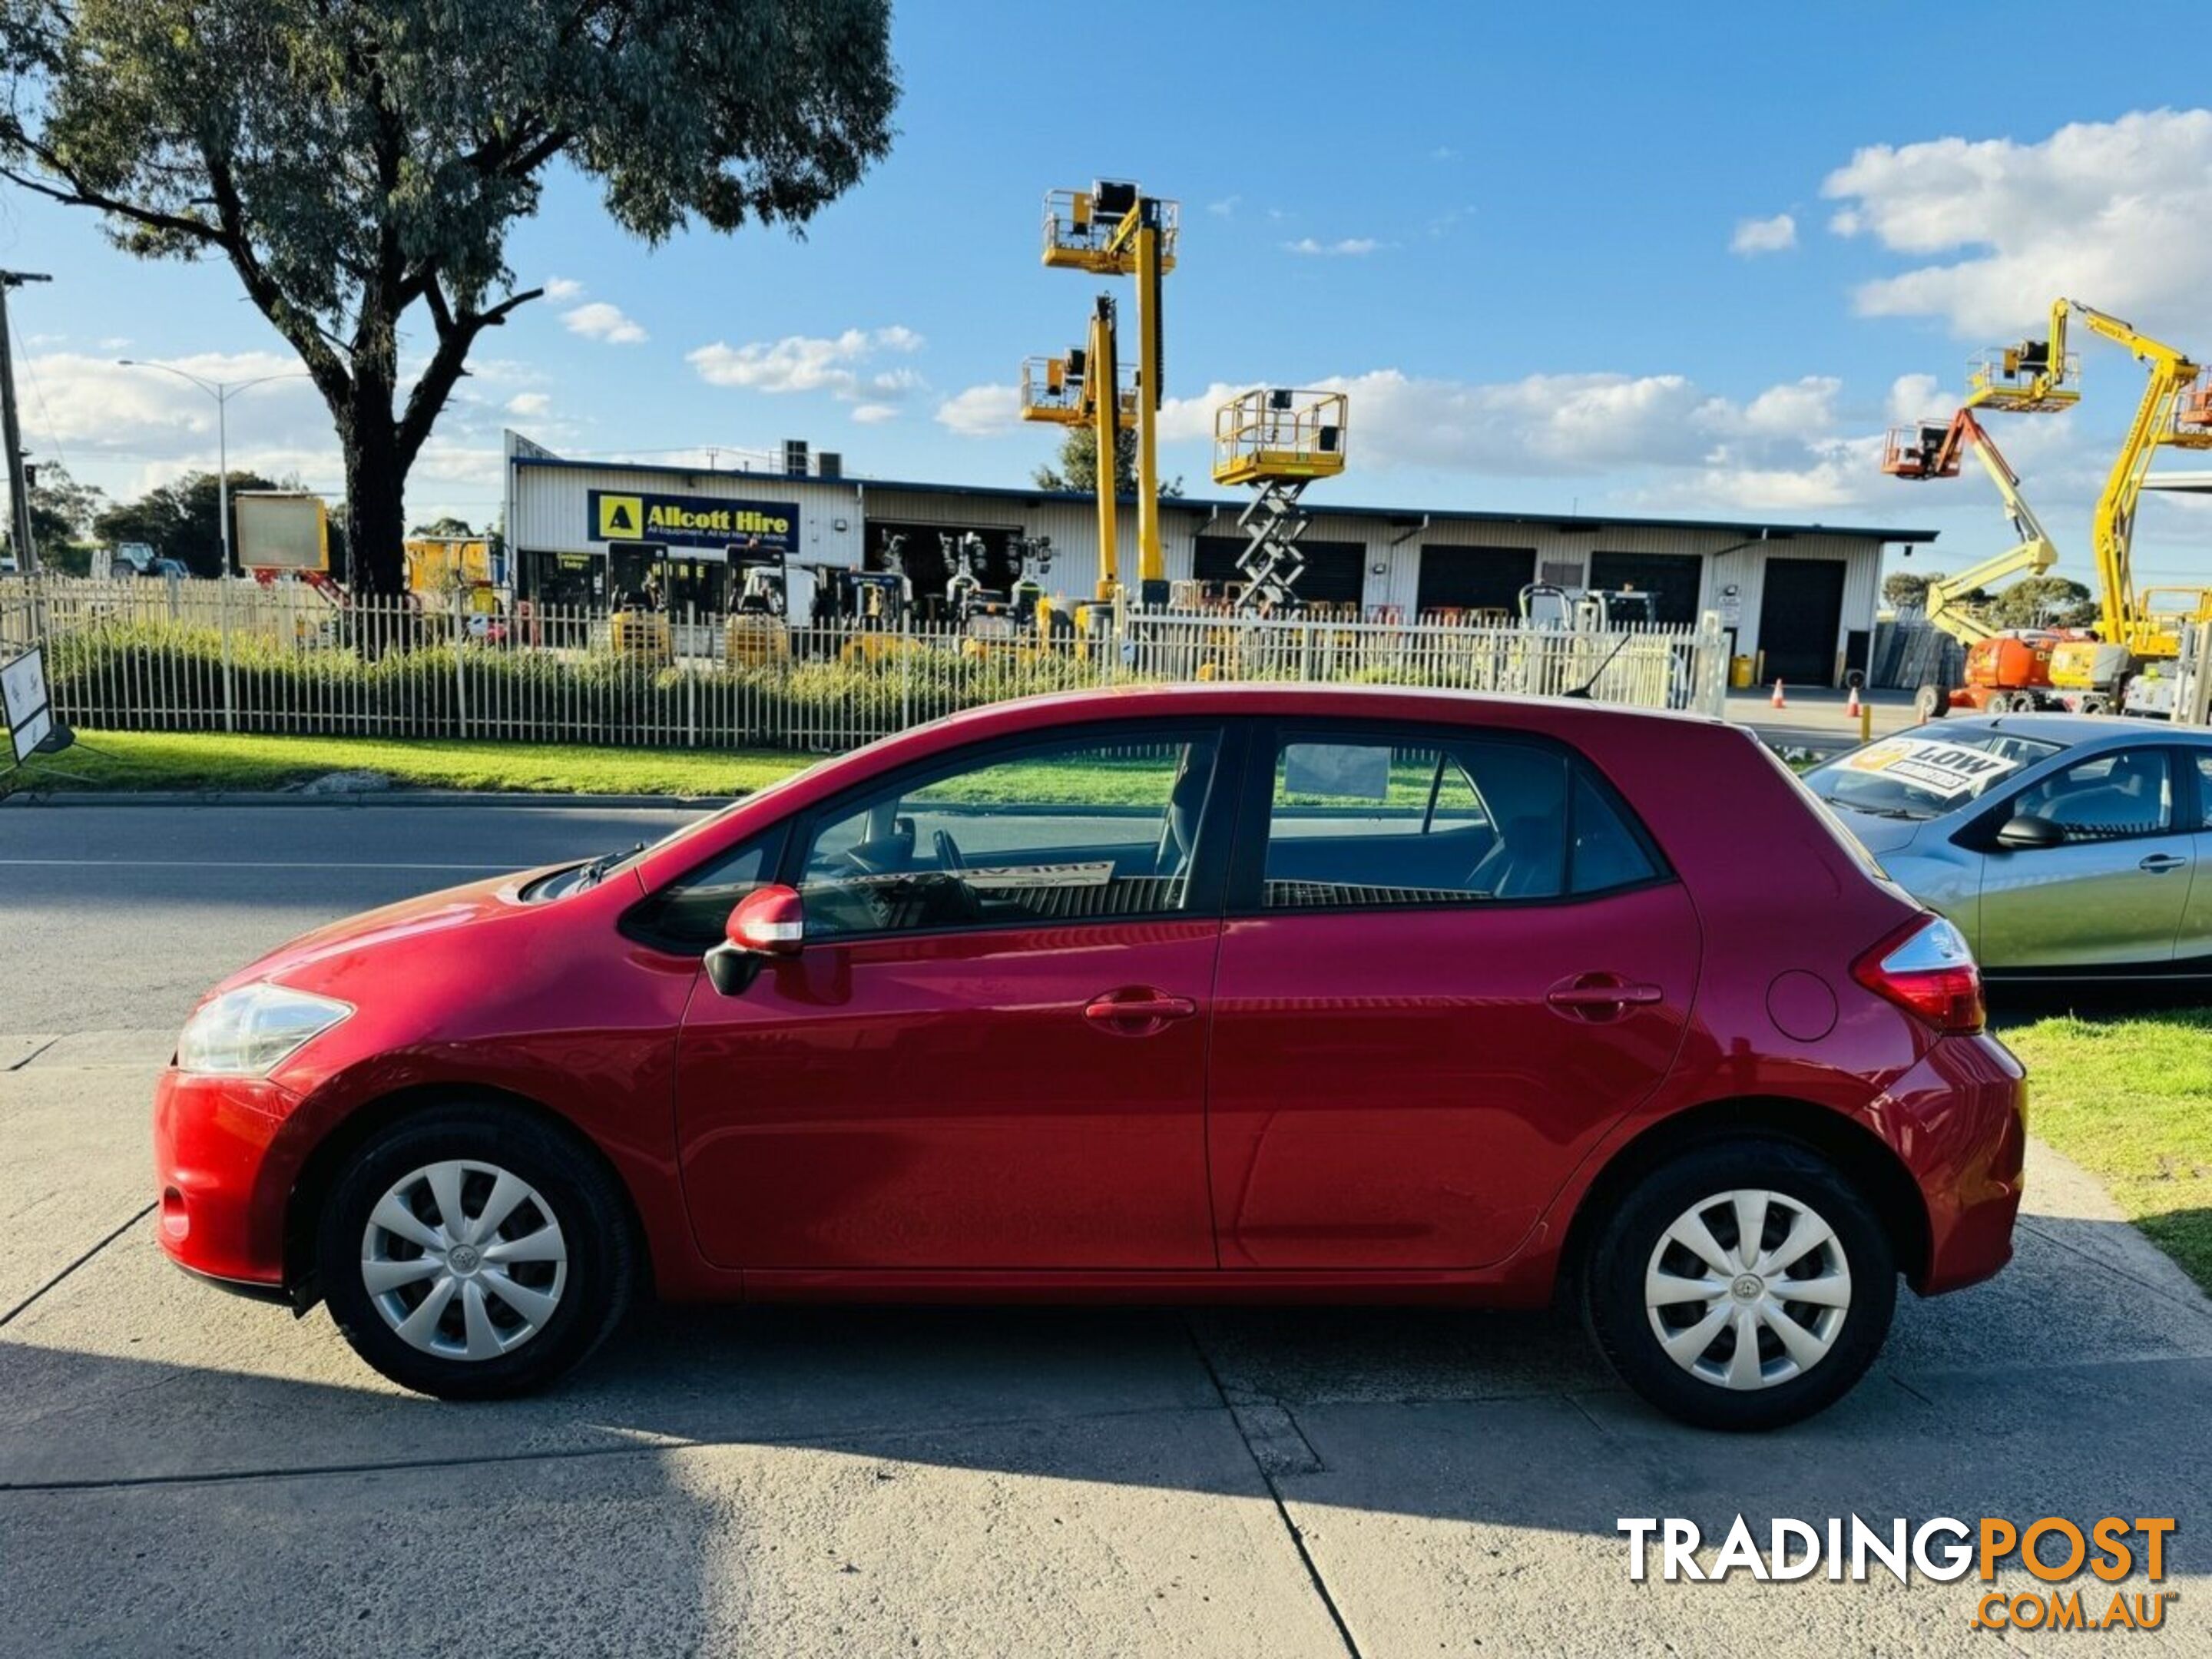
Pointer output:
x,y
217,760
2131,1101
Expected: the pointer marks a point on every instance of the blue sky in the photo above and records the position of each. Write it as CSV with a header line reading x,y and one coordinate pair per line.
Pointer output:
x,y
1639,259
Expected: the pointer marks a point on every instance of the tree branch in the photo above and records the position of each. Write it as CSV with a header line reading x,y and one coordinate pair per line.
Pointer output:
x,y
457,333
71,192
324,365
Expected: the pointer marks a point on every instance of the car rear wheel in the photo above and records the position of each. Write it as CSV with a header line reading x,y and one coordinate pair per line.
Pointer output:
x,y
1745,1285
472,1252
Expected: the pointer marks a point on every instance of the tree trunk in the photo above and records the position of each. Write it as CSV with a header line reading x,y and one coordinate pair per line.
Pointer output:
x,y
375,487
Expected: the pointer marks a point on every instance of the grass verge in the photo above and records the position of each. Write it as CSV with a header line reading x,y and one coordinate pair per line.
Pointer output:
x,y
219,760
2130,1100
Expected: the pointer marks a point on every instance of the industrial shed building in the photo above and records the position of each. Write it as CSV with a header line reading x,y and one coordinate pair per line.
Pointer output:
x,y
1799,598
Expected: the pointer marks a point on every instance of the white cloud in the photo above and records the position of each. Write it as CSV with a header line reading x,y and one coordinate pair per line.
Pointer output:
x,y
1347,245
1443,153
116,342
2115,213
1226,208
1667,440
1918,398
875,414
598,320
562,288
798,362
1756,236
982,412
529,405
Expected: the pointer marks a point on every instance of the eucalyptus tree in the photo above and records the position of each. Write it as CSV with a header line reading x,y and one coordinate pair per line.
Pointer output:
x,y
359,163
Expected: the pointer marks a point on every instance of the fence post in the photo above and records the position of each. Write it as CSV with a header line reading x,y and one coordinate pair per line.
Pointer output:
x,y
229,691
460,670
690,679
1712,667
906,649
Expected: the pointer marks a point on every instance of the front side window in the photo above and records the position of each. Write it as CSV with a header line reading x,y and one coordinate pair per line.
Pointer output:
x,y
691,912
2108,796
1359,821
1090,828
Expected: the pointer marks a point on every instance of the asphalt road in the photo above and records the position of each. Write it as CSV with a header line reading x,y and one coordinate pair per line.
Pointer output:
x,y
182,1471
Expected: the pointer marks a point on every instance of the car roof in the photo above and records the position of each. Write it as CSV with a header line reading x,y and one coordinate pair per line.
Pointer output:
x,y
1303,698
2068,730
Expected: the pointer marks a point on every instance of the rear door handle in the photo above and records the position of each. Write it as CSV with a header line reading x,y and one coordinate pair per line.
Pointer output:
x,y
2159,863
1594,996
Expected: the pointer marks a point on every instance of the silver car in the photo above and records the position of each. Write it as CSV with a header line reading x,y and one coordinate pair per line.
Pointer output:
x,y
2070,846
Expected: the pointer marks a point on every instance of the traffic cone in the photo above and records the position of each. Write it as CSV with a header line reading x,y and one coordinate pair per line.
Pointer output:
x,y
1778,699
1851,707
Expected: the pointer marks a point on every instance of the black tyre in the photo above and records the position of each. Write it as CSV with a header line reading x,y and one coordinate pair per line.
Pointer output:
x,y
1929,703
1729,1337
473,1252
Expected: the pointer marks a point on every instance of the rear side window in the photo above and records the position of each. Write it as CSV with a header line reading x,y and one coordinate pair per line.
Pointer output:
x,y
1357,822
1606,853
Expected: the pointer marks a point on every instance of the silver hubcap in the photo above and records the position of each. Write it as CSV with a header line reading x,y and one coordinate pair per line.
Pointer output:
x,y
464,1259
1747,1288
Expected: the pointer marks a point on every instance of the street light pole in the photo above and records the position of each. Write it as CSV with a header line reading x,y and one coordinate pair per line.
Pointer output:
x,y
221,392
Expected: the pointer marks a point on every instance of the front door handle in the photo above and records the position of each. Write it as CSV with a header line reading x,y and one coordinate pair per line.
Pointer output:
x,y
2159,863
1601,996
1137,1010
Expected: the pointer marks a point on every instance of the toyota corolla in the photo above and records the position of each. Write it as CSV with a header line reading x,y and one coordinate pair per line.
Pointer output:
x,y
1199,992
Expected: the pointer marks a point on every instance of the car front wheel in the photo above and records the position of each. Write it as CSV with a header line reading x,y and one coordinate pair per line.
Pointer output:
x,y
1745,1285
472,1252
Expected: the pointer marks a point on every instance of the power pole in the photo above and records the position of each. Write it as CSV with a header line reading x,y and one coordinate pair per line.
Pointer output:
x,y
19,497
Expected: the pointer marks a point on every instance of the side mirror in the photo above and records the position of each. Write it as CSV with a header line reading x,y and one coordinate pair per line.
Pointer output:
x,y
2029,834
769,923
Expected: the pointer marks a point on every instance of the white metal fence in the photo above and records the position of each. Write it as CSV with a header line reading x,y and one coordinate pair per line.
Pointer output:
x,y
183,655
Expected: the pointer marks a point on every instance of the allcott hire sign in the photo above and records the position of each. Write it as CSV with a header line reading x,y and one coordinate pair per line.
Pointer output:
x,y
618,515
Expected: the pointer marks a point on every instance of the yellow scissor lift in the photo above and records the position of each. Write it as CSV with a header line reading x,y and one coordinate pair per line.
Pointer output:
x,y
1276,441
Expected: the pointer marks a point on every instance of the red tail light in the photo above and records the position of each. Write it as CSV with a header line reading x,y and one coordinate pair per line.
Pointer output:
x,y
1926,969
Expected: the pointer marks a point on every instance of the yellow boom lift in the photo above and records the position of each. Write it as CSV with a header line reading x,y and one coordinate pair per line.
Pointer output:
x,y
2128,667
1115,229
1071,390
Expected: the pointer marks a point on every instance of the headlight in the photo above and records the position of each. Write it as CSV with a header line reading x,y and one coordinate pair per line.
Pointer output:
x,y
249,1032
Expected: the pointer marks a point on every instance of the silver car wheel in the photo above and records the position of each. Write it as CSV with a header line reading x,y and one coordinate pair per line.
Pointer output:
x,y
464,1259
1747,1288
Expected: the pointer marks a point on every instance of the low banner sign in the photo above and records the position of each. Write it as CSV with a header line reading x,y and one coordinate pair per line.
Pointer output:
x,y
618,515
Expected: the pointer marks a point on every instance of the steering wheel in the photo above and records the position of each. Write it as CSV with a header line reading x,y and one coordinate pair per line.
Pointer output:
x,y
950,857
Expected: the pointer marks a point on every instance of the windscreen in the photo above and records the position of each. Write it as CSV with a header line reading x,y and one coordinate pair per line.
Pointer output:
x,y
1922,777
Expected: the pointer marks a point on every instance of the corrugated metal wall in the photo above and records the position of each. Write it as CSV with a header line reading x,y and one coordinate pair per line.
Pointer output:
x,y
549,513
549,509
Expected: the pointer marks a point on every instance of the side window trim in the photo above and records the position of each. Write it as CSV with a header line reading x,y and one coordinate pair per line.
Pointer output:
x,y
1247,881
1203,890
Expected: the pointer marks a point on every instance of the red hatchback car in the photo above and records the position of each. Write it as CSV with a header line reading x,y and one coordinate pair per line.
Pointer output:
x,y
1219,994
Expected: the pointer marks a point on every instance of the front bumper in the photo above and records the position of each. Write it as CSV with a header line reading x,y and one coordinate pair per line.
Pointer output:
x,y
223,1172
